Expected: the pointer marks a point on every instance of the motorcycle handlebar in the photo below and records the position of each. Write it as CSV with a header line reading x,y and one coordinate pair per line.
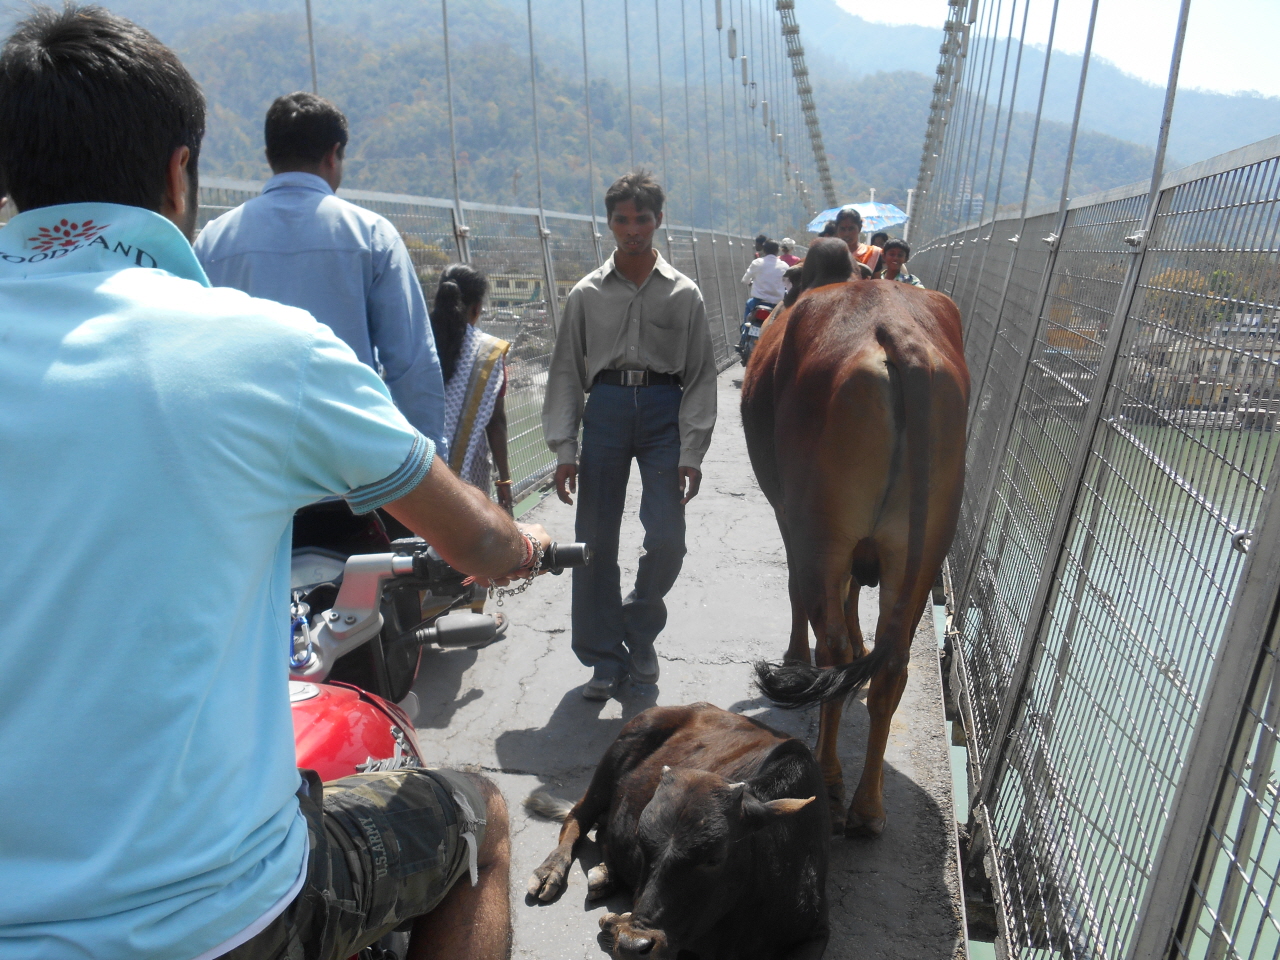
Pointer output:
x,y
561,555
428,565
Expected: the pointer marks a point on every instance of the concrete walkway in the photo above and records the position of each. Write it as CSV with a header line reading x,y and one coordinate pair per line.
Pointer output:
x,y
515,712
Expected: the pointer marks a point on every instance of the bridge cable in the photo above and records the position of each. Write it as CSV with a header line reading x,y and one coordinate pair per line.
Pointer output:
x,y
311,48
724,149
662,112
971,69
711,219
739,186
774,150
744,63
766,161
978,101
688,120
460,230
591,163
985,367
631,121
544,234
948,148
991,156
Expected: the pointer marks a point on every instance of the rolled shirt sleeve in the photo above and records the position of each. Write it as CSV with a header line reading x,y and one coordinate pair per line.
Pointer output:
x,y
400,329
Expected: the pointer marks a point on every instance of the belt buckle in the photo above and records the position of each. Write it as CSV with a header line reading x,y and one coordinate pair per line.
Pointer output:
x,y
634,378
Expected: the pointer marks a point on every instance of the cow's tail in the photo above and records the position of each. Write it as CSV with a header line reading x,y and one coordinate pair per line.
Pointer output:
x,y
915,373
790,684
542,804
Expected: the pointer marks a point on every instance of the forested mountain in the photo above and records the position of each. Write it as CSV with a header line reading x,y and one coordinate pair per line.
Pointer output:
x,y
383,63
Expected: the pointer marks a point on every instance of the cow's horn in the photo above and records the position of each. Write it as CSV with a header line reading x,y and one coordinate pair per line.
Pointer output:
x,y
666,769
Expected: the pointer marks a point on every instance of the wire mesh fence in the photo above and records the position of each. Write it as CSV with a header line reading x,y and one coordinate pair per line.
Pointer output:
x,y
1121,469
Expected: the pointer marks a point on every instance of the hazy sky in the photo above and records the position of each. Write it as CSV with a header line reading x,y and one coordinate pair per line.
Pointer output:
x,y
1230,47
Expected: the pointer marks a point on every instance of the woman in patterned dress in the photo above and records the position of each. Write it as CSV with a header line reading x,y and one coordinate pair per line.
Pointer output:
x,y
475,382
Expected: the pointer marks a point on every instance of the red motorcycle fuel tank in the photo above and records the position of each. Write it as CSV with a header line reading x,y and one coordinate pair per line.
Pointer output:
x,y
339,729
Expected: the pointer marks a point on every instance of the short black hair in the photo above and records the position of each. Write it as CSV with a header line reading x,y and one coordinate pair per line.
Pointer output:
x,y
771,247
302,128
760,240
640,188
92,108
848,213
878,233
898,245
829,229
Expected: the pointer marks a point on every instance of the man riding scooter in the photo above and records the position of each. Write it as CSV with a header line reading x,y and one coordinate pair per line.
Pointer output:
x,y
766,274
158,436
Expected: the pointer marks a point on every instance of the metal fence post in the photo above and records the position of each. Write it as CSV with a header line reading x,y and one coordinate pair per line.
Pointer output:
x,y
724,316
553,299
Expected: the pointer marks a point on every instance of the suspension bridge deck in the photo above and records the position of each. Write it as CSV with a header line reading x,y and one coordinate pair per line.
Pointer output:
x,y
515,712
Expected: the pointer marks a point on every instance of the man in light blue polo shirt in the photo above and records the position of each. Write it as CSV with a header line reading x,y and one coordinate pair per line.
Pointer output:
x,y
157,437
301,245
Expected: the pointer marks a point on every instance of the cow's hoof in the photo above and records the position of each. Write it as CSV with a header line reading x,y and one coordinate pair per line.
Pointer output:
x,y
598,882
610,922
549,880
863,827
835,800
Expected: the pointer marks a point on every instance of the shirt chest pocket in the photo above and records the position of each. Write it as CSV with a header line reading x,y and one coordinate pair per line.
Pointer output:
x,y
660,319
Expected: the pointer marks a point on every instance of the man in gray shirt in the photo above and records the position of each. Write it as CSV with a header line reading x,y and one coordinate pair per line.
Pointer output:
x,y
634,336
300,245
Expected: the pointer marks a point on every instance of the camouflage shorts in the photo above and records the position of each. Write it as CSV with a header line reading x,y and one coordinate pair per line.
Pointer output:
x,y
385,848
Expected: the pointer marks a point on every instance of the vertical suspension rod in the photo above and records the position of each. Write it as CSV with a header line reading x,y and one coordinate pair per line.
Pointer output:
x,y
631,120
591,163
543,232
311,48
460,229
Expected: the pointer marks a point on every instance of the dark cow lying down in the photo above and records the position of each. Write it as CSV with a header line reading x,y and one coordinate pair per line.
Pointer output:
x,y
708,819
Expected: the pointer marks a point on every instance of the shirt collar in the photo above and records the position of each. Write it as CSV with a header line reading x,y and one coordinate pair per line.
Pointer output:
x,y
298,180
660,267
94,238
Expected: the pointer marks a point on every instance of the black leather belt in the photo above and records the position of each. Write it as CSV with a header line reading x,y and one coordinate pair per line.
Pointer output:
x,y
636,378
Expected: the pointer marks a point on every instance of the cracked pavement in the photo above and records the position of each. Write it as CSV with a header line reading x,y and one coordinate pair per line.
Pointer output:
x,y
514,712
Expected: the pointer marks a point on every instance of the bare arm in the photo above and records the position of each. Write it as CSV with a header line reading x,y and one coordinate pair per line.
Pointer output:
x,y
496,432
471,532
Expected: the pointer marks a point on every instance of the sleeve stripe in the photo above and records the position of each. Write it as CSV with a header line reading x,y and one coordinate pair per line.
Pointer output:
x,y
407,476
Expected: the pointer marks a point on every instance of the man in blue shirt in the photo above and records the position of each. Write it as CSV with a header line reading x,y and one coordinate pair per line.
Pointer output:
x,y
157,437
300,245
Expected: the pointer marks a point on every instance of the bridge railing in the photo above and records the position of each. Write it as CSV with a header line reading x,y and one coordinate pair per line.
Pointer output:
x,y
524,266
1115,576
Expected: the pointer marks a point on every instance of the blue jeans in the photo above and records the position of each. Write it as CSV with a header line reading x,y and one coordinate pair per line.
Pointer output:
x,y
621,423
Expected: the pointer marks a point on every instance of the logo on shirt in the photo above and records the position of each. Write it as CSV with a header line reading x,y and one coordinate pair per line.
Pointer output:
x,y
66,234
66,237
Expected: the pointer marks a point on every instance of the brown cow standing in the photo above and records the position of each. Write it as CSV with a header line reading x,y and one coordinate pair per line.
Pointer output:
x,y
854,410
708,818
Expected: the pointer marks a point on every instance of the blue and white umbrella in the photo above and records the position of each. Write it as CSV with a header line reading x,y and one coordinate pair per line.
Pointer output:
x,y
875,216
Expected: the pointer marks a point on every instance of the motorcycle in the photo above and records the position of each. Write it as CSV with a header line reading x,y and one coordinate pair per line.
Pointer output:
x,y
749,333
363,607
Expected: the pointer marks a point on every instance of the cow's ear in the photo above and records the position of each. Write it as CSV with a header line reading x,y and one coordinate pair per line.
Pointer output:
x,y
756,814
